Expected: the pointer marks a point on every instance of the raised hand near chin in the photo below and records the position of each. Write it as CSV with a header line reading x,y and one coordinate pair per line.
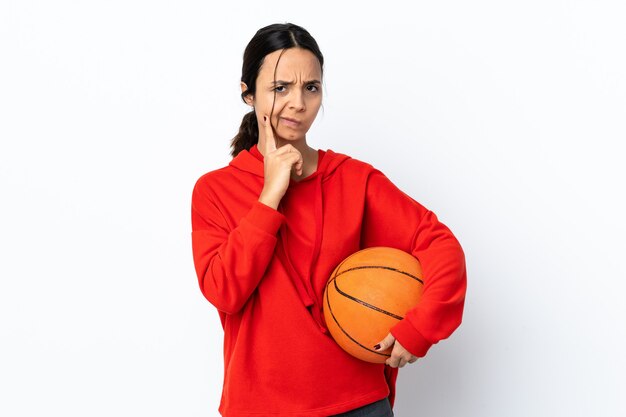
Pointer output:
x,y
277,166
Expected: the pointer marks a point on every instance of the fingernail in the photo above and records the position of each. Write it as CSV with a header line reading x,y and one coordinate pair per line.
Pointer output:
x,y
377,346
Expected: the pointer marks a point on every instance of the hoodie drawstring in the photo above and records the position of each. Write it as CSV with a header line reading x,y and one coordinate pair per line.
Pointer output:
x,y
319,229
304,285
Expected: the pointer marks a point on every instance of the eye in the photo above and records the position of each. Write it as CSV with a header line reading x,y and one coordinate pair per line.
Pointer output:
x,y
313,88
280,88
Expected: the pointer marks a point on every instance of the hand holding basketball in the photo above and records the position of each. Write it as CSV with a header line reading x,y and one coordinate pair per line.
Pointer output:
x,y
399,355
277,166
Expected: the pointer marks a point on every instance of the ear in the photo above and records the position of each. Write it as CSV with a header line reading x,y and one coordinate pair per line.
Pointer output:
x,y
249,99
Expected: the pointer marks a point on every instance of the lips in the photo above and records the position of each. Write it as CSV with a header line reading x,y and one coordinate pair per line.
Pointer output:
x,y
290,122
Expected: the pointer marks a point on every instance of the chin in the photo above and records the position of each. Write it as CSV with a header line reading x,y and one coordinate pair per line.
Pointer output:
x,y
291,137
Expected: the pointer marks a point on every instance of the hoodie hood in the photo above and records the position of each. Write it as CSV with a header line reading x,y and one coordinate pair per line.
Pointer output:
x,y
251,161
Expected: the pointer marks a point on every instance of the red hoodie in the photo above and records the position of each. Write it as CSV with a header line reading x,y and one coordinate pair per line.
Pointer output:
x,y
265,271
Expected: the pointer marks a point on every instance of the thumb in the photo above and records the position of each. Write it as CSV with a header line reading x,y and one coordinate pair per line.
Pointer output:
x,y
386,343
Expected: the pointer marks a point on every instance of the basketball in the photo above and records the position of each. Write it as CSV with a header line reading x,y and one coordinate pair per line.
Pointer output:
x,y
366,295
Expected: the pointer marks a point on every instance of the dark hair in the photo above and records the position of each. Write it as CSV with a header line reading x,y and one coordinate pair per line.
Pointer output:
x,y
267,40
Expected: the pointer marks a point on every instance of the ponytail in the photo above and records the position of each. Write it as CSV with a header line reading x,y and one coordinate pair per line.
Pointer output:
x,y
248,134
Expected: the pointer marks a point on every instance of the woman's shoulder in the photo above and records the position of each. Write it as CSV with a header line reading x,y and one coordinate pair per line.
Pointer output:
x,y
349,161
353,167
216,174
213,182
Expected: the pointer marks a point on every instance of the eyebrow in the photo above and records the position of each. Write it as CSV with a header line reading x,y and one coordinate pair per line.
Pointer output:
x,y
291,82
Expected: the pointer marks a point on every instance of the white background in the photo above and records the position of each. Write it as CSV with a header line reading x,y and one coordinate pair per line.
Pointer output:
x,y
506,118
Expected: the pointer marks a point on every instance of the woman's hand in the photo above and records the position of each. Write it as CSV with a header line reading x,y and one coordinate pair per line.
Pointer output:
x,y
399,355
278,164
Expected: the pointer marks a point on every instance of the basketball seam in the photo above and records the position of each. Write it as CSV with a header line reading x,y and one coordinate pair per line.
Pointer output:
x,y
330,309
381,267
366,304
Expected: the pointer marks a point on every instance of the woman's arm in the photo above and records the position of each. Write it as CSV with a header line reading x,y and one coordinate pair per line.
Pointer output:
x,y
230,263
394,219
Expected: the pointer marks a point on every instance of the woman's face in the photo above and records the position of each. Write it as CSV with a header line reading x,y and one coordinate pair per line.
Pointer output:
x,y
298,92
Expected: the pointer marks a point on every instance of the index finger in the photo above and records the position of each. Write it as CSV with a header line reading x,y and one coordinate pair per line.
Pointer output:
x,y
270,141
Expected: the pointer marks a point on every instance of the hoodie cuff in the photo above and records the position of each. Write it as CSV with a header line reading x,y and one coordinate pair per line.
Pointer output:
x,y
410,339
265,218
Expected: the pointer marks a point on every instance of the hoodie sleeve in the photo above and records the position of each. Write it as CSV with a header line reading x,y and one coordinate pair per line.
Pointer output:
x,y
230,263
394,219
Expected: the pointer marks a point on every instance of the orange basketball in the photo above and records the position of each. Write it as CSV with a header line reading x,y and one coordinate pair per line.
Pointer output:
x,y
367,294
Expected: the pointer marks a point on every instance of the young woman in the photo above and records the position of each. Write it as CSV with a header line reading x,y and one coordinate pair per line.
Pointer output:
x,y
268,230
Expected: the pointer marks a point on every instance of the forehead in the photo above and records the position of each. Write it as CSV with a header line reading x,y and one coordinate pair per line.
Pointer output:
x,y
295,64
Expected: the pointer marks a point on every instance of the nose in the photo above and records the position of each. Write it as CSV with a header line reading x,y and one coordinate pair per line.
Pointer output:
x,y
297,101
